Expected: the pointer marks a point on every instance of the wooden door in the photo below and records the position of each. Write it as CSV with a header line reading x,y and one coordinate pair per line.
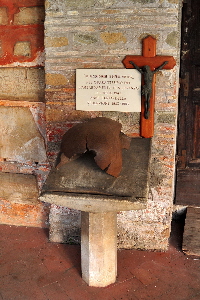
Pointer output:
x,y
188,145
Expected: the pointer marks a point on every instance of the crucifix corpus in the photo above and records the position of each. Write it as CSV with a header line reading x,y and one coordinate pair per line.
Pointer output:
x,y
148,64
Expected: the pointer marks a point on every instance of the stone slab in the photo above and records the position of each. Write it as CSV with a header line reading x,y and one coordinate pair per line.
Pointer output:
x,y
93,203
83,176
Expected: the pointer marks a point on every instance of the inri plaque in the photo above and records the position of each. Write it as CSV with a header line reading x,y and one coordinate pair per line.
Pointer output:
x,y
108,90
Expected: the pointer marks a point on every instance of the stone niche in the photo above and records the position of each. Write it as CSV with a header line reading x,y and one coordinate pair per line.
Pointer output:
x,y
98,35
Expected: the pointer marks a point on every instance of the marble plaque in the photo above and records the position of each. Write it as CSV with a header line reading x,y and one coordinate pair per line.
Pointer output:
x,y
108,90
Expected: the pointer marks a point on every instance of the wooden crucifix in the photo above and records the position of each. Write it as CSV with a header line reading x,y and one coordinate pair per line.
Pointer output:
x,y
148,64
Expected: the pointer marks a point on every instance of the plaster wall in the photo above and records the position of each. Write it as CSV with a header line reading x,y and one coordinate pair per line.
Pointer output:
x,y
99,34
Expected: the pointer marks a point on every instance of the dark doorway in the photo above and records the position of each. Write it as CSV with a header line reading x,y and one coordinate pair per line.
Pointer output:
x,y
188,145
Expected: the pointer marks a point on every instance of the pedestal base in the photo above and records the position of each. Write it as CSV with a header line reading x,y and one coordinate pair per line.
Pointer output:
x,y
99,248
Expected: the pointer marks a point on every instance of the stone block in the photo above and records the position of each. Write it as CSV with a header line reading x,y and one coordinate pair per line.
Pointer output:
x,y
22,84
113,37
56,41
166,117
20,139
3,16
56,79
22,49
29,15
172,38
85,38
19,188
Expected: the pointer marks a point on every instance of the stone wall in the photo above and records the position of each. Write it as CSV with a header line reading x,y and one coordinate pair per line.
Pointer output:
x,y
80,34
99,34
23,159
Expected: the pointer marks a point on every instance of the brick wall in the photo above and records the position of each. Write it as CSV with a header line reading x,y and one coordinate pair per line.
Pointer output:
x,y
99,34
23,160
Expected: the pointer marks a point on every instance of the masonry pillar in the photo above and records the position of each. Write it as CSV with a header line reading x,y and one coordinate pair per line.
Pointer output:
x,y
99,248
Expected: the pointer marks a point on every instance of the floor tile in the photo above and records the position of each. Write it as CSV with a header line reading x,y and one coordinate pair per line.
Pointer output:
x,y
33,268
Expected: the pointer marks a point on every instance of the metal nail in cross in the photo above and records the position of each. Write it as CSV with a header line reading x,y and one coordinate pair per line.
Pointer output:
x,y
148,64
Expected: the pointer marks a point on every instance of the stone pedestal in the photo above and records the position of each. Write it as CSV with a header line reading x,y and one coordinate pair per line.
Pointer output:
x,y
82,185
99,248
98,231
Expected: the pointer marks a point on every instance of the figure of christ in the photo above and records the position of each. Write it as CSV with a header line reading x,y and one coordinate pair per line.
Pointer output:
x,y
147,87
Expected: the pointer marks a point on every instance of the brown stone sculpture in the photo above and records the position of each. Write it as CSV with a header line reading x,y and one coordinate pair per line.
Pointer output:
x,y
101,136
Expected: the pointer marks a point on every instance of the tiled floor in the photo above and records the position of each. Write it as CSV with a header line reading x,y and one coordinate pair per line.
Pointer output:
x,y
33,269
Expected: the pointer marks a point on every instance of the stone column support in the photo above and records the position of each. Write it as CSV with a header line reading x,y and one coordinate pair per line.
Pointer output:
x,y
99,248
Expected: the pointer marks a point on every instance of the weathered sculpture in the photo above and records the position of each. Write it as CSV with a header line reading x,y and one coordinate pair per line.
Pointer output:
x,y
147,87
101,136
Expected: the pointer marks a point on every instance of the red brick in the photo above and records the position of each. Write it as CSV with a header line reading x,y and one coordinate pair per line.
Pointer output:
x,y
24,214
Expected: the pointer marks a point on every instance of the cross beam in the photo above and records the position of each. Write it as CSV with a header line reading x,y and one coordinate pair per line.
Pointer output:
x,y
149,58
